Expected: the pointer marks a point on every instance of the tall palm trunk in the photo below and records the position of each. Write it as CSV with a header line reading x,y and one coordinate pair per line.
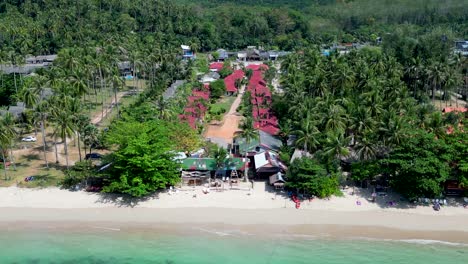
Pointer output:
x,y
79,145
44,144
134,76
102,95
16,86
4,164
12,157
56,151
66,150
116,102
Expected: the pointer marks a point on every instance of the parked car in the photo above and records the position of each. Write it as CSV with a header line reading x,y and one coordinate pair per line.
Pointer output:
x,y
93,156
29,139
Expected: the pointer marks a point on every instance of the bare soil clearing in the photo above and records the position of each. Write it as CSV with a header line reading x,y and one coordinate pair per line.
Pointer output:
x,y
224,132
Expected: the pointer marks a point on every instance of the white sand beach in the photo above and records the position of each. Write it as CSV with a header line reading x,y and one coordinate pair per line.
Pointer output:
x,y
259,207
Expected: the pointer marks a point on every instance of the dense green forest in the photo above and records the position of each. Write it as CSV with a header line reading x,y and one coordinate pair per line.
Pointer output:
x,y
44,27
374,108
360,109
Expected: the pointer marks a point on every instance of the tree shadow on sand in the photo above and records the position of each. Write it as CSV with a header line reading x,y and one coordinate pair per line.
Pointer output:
x,y
123,200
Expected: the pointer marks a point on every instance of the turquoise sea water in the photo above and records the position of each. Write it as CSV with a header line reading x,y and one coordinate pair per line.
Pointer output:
x,y
119,247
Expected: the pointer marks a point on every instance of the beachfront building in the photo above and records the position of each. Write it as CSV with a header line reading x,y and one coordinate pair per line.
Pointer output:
x,y
277,181
200,171
262,154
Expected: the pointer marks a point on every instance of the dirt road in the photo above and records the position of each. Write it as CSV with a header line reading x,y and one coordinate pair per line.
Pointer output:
x,y
224,133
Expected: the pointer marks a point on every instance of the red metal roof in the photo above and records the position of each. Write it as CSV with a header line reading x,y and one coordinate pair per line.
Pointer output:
x,y
454,109
230,81
256,67
261,100
218,66
203,94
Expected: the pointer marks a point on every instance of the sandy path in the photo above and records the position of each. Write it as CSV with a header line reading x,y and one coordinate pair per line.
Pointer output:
x,y
224,133
98,117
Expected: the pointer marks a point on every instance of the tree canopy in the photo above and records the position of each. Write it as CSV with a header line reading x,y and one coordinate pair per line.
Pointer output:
x,y
143,161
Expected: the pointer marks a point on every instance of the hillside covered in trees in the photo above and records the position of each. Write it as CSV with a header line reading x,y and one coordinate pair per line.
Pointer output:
x,y
44,27
369,107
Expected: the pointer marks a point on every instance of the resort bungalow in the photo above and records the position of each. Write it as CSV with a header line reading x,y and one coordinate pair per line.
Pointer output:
x,y
171,91
267,164
461,47
216,66
46,60
125,68
222,54
265,142
277,181
30,65
209,77
261,153
455,109
198,171
187,53
232,80
15,110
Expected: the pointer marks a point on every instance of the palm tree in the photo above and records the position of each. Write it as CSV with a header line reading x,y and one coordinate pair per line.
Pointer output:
x,y
90,136
42,112
9,125
7,134
365,147
307,136
336,146
117,83
163,109
81,122
435,74
248,133
64,118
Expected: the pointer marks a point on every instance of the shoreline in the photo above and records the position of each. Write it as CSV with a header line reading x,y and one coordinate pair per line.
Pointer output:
x,y
258,211
241,222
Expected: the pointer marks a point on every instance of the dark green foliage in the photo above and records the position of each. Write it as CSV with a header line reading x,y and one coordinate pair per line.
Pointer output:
x,y
225,71
217,89
309,175
78,174
143,162
419,166
458,143
367,170
7,89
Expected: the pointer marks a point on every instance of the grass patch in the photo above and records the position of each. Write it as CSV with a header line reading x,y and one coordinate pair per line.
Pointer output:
x,y
42,177
223,104
124,102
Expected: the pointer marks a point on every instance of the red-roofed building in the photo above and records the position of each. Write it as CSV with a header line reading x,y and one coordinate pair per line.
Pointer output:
x,y
257,67
203,94
216,66
272,130
230,81
264,119
455,109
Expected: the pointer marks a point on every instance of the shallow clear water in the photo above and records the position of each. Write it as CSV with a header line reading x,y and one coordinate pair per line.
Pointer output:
x,y
120,247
